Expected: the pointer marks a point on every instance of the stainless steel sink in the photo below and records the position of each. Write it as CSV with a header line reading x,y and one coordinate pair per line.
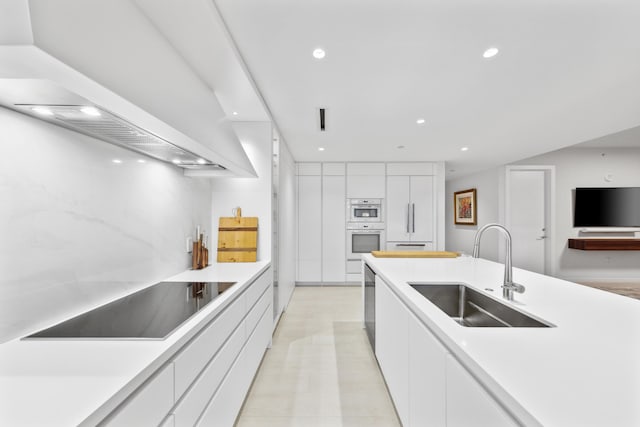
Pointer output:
x,y
471,308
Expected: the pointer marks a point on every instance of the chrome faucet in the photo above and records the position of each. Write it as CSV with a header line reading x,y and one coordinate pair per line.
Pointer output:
x,y
509,285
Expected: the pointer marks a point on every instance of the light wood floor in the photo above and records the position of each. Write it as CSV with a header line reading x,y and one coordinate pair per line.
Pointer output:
x,y
320,371
631,290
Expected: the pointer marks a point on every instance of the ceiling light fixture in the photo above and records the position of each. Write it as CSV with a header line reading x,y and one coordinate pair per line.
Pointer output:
x,y
201,161
43,111
116,161
464,149
142,161
320,148
91,111
319,53
420,121
235,113
400,147
176,161
490,53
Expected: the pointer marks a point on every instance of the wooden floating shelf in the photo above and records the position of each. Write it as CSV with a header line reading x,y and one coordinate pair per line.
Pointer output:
x,y
605,244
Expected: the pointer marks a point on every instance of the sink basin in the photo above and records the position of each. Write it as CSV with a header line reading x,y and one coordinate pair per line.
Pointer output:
x,y
471,308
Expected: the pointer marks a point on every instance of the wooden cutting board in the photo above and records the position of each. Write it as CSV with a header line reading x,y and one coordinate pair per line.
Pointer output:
x,y
238,238
415,254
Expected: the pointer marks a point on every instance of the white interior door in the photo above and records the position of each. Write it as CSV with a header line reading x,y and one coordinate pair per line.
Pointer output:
x,y
526,218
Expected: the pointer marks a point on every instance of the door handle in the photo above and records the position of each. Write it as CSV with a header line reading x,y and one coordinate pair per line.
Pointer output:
x,y
541,238
411,244
408,217
413,216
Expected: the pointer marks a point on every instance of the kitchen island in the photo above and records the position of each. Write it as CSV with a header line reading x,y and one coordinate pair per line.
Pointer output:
x,y
584,370
69,382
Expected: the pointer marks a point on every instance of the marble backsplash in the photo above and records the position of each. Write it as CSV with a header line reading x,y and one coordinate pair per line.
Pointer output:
x,y
77,228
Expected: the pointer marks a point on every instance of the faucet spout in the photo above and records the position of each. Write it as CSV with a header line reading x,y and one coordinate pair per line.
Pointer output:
x,y
508,286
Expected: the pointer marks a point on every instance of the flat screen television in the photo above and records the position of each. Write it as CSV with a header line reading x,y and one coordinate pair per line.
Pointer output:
x,y
607,207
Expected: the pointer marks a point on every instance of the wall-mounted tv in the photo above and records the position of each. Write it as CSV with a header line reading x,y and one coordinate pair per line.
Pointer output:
x,y
607,207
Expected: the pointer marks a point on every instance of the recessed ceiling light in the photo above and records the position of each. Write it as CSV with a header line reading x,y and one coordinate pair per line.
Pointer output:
x,y
490,53
400,147
117,161
201,161
43,111
235,113
176,161
319,53
420,121
90,111
464,149
142,161
320,148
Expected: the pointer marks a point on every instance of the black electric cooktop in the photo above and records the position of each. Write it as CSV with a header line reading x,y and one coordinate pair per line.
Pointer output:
x,y
152,313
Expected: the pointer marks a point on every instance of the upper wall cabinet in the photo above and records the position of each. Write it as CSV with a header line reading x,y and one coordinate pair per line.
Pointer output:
x,y
365,180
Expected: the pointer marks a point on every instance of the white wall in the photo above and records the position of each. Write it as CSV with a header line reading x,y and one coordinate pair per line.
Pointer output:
x,y
76,228
575,167
489,205
253,195
587,167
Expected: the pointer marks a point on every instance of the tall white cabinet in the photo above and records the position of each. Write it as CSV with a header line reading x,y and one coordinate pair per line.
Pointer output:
x,y
309,222
333,222
321,223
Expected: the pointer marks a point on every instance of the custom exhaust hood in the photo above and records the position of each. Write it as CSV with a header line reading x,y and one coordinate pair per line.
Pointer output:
x,y
62,63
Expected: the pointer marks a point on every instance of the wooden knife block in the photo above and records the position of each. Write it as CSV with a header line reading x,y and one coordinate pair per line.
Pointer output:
x,y
199,256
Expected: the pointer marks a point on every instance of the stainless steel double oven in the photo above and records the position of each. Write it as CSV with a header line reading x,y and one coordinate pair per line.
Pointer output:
x,y
365,227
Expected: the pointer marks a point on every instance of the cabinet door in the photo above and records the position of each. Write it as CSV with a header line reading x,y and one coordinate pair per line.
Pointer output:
x,y
398,208
309,230
333,228
422,204
365,186
392,345
468,404
427,382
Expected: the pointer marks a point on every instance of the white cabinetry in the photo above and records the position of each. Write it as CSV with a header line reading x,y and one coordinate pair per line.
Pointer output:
x,y
468,403
309,220
365,180
392,345
333,223
321,223
427,379
429,387
148,405
206,381
411,212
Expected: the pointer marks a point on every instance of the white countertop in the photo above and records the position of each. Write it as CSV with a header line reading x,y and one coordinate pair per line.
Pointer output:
x,y
77,382
585,371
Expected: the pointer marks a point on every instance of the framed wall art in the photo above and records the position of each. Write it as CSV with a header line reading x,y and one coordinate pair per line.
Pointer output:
x,y
464,207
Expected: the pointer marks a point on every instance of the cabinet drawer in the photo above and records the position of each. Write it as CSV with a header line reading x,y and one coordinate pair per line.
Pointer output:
x,y
149,405
225,405
201,349
256,313
255,289
195,400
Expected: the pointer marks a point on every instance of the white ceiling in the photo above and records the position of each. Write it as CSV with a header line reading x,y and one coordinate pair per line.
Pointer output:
x,y
567,72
